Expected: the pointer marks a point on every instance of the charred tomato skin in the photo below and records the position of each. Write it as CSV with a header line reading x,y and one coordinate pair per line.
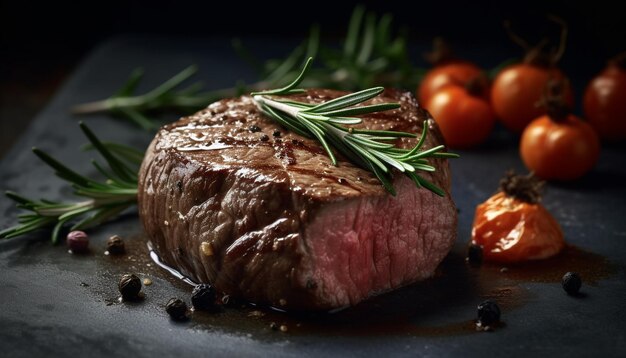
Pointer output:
x,y
513,231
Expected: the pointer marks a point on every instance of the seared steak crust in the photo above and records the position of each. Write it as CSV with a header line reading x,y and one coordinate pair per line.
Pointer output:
x,y
228,196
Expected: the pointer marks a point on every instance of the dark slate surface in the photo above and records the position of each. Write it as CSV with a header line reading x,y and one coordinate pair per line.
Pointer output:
x,y
56,304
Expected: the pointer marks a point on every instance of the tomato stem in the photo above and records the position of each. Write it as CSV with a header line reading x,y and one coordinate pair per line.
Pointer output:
x,y
477,86
441,52
526,188
619,61
537,55
553,100
556,57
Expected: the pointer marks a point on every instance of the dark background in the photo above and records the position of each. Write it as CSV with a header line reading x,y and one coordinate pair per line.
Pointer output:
x,y
43,41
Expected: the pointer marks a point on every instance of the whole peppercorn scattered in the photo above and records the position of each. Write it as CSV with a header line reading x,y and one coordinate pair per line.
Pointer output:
x,y
129,286
78,242
276,133
203,297
254,128
177,309
115,245
475,255
265,138
488,313
571,283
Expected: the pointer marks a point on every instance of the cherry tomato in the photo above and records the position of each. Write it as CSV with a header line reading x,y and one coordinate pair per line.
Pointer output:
x,y
562,150
465,119
452,72
604,102
511,230
518,88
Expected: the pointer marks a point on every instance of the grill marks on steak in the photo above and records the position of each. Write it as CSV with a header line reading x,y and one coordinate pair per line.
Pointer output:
x,y
274,222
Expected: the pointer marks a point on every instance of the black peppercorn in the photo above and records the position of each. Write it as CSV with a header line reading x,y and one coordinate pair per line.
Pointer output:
x,y
475,255
115,245
177,309
78,242
571,283
203,297
254,128
264,138
488,313
129,286
276,133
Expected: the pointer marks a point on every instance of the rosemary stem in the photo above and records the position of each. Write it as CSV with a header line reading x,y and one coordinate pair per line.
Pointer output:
x,y
109,104
290,110
199,100
54,212
369,149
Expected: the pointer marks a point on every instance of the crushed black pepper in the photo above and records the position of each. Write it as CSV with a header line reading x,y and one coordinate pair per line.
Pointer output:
x,y
115,245
203,297
177,309
78,242
474,255
488,315
571,283
129,286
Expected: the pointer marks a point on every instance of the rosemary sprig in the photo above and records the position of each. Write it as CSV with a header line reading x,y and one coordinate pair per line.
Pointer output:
x,y
370,55
369,149
164,97
104,200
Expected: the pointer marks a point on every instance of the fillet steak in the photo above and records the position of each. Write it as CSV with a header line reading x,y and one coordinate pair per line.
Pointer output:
x,y
229,197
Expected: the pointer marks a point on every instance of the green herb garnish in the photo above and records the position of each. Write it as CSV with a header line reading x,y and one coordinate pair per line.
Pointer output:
x,y
371,55
164,97
105,200
369,149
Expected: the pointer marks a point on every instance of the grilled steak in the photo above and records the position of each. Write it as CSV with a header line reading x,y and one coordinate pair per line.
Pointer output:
x,y
229,197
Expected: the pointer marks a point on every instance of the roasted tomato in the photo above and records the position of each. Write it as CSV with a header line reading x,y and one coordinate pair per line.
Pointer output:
x,y
518,88
454,72
463,115
605,100
447,70
559,145
512,226
560,150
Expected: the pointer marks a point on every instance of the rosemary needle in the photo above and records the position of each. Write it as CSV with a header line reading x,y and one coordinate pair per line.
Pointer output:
x,y
103,200
369,149
370,55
